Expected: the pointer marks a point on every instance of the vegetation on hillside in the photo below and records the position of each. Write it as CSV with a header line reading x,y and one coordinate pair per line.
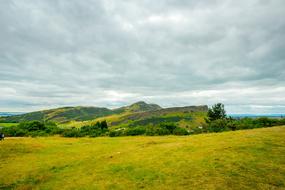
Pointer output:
x,y
37,128
79,113
61,115
170,121
137,114
138,107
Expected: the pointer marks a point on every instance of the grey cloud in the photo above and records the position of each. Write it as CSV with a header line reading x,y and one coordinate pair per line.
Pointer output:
x,y
109,53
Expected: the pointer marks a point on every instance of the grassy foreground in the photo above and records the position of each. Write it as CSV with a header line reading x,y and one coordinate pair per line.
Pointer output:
x,y
249,159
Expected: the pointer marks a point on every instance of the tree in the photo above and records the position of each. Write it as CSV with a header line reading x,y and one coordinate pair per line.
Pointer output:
x,y
216,112
104,125
32,126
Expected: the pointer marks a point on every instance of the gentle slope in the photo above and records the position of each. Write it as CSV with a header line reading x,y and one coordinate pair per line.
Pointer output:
x,y
249,159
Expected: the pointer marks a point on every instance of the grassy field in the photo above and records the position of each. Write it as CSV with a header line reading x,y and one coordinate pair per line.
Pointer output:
x,y
8,124
249,159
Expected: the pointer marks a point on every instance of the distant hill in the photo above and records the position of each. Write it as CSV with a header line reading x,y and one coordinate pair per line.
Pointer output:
x,y
187,117
79,113
61,115
10,113
270,115
138,107
139,113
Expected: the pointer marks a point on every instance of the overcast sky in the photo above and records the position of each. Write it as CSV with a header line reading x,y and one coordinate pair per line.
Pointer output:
x,y
173,52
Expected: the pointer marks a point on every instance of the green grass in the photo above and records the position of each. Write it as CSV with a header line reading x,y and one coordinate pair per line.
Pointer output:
x,y
8,124
249,159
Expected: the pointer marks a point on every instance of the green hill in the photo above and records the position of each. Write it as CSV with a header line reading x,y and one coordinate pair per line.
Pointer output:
x,y
61,115
187,117
139,107
79,113
139,113
175,115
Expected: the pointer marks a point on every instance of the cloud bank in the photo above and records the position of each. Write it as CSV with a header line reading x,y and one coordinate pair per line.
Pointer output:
x,y
172,52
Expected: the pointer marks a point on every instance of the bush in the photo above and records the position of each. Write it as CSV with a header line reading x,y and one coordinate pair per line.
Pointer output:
x,y
32,126
180,131
281,121
169,126
14,131
93,130
53,130
73,132
218,125
265,121
116,133
157,130
135,131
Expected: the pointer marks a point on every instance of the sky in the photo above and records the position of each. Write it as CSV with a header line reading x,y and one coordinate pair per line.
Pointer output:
x,y
111,53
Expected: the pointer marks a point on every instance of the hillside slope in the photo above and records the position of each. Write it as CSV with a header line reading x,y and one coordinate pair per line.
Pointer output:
x,y
138,107
175,114
61,115
249,159
79,113
139,113
187,117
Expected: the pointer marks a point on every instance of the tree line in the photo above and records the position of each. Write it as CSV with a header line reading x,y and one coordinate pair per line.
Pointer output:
x,y
37,128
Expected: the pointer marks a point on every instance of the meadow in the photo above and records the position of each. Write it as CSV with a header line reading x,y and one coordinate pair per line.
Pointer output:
x,y
8,124
246,159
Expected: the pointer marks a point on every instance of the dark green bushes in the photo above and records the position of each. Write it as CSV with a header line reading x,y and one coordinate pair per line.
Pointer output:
x,y
134,131
229,124
95,130
218,125
150,130
32,128
180,131
37,128
73,132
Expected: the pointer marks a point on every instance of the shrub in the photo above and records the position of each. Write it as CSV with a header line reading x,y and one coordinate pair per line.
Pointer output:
x,y
116,133
135,131
264,121
52,130
32,126
157,130
73,132
218,125
169,126
180,131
